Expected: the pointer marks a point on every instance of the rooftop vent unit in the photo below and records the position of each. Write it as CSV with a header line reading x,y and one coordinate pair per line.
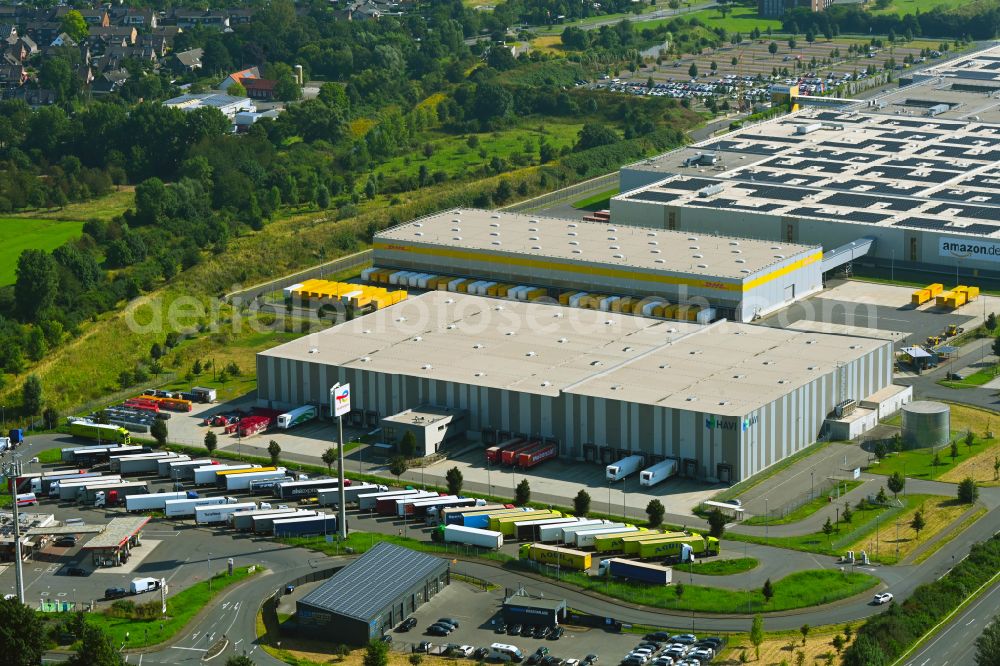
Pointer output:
x,y
808,129
710,190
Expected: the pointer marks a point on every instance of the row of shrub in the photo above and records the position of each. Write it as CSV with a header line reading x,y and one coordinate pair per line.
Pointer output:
x,y
884,637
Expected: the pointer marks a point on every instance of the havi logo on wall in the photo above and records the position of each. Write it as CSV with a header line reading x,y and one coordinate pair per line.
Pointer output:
x,y
715,423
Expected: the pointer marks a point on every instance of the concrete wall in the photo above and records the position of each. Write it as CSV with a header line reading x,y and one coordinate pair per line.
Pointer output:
x,y
700,439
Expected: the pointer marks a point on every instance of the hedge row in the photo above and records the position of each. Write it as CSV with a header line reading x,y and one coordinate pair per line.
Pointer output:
x,y
884,637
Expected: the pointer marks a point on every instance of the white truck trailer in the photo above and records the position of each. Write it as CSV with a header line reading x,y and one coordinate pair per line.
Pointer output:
x,y
146,463
297,416
155,501
205,476
243,481
472,536
243,520
331,496
182,508
163,465
623,468
569,533
553,532
183,470
69,490
368,501
219,513
661,471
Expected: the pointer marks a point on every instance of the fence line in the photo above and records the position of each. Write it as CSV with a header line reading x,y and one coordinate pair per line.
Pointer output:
x,y
607,181
356,260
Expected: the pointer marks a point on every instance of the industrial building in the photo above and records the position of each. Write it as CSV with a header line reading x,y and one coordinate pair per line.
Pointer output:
x,y
727,400
733,277
371,595
432,427
910,179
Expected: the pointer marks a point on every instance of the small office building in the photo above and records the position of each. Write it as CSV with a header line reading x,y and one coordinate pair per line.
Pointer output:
x,y
371,595
522,609
431,426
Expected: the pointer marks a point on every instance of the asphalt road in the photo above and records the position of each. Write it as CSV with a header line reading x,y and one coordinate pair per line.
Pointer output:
x,y
955,643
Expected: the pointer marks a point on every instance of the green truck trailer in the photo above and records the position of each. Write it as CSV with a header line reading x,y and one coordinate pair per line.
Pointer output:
x,y
563,557
100,432
679,548
629,543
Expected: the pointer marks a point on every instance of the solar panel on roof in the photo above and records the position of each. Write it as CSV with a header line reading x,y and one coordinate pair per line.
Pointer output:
x,y
376,579
965,210
854,216
853,200
942,225
776,192
654,195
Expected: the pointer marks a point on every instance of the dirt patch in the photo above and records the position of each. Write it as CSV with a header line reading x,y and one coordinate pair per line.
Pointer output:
x,y
785,647
979,467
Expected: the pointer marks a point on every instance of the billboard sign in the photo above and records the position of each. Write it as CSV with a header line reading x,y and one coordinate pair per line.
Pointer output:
x,y
341,399
961,248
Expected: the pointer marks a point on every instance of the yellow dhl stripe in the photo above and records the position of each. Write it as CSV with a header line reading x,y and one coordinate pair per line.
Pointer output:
x,y
620,273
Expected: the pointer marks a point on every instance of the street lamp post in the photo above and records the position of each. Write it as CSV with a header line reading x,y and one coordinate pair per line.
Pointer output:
x,y
12,470
489,481
208,570
767,519
812,485
609,497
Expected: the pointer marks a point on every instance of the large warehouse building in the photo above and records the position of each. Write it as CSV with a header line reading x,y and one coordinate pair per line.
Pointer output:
x,y
727,400
737,277
371,595
911,179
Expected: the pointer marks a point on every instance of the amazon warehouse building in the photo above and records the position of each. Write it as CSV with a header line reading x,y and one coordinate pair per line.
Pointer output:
x,y
726,399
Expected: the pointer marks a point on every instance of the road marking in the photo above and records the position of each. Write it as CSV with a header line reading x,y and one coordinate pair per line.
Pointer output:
x,y
177,647
140,659
970,621
237,642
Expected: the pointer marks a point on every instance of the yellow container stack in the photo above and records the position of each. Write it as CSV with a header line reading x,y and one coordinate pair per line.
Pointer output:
x,y
356,295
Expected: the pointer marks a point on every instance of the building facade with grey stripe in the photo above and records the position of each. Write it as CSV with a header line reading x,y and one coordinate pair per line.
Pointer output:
x,y
718,429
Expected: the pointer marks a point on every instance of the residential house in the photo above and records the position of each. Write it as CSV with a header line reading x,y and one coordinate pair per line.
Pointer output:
x,y
36,97
85,74
62,39
359,10
12,76
260,89
8,32
98,17
186,61
116,33
238,77
140,18
187,18
109,82
239,16
155,43
168,32
42,32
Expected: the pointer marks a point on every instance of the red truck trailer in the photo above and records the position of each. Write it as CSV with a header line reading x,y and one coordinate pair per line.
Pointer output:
x,y
537,455
509,456
493,453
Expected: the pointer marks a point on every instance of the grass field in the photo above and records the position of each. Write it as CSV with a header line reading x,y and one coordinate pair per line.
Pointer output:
x,y
864,525
898,540
978,378
181,608
805,510
599,201
801,589
722,567
753,481
103,208
741,19
21,234
454,156
903,7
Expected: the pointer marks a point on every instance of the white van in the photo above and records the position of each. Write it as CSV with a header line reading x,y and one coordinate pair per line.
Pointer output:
x,y
504,652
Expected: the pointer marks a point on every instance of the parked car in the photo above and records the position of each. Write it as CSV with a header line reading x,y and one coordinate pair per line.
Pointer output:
x,y
540,631
684,639
661,636
556,633
513,629
590,659
527,630
66,541
551,660
448,620
465,650
423,646
537,655
571,662
439,629
289,589
481,653
115,593
407,624
882,598
501,627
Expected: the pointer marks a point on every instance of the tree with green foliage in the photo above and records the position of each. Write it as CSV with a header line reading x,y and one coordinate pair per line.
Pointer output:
x,y
996,468
31,395
376,654
772,48
693,71
757,634
95,650
522,494
329,457
36,284
988,645
953,452
237,89
968,491
896,482
211,442
22,634
804,630
454,479
159,431
918,523
273,450
991,322
828,528
767,591
416,659
846,514
593,135
716,523
408,444
936,460
679,592
398,467
74,25
655,512
970,439
51,417
581,503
